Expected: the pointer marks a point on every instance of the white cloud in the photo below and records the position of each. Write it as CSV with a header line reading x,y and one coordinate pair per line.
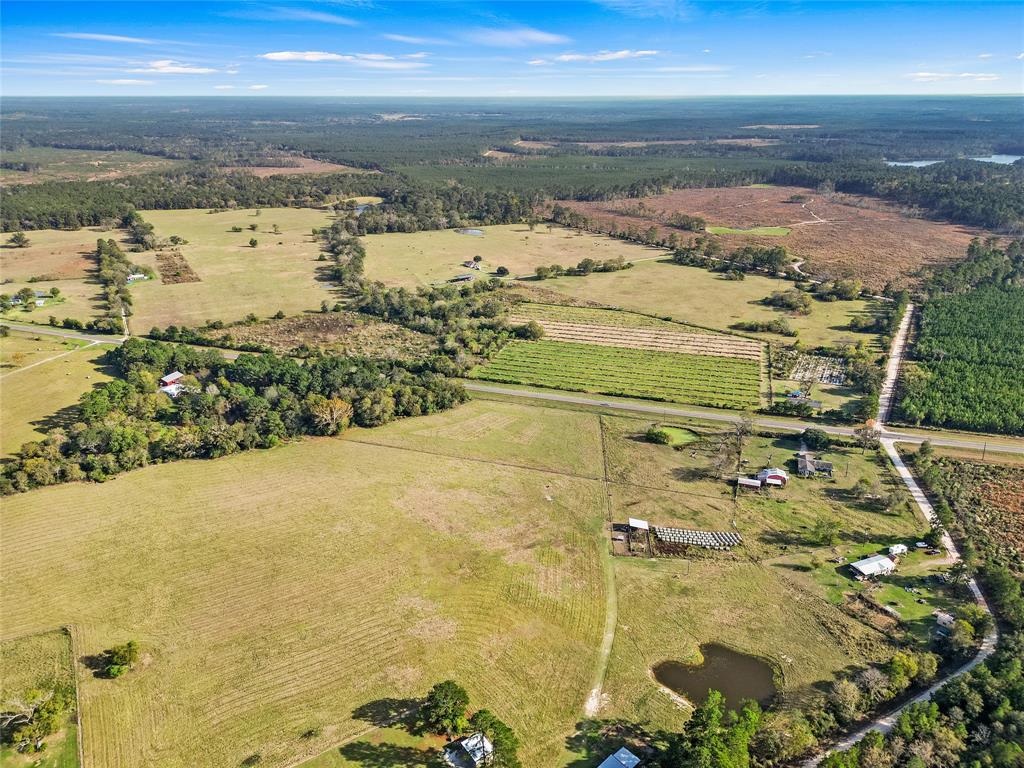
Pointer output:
x,y
706,50
304,14
304,56
985,55
230,71
223,87
938,77
538,62
104,38
413,40
259,87
514,37
605,55
364,60
171,67
669,9
125,81
1020,57
817,55
417,55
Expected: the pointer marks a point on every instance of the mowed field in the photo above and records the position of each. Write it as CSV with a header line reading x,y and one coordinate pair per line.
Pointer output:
x,y
281,273
839,235
41,379
31,666
694,295
280,591
422,258
78,164
55,254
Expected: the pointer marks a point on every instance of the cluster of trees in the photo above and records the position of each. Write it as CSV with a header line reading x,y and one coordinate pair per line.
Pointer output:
x,y
779,325
467,318
715,737
112,270
707,251
794,300
118,660
46,713
227,406
445,712
585,267
967,362
986,264
346,251
838,290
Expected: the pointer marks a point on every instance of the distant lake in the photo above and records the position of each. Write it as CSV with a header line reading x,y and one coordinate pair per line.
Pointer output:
x,y
1001,159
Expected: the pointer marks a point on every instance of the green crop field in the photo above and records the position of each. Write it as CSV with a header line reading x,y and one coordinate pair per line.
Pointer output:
x,y
765,231
694,295
30,666
675,377
421,258
41,379
281,273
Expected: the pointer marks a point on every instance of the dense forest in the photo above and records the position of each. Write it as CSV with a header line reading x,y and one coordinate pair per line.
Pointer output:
x,y
969,350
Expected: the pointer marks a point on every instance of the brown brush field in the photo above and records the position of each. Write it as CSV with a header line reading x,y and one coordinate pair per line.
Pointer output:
x,y
838,235
338,333
55,254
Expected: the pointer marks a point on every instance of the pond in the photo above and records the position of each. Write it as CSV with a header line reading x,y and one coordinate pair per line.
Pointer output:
x,y
1000,159
473,232
737,675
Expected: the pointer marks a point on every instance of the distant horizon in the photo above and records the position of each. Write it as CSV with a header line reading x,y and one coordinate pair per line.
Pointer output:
x,y
567,49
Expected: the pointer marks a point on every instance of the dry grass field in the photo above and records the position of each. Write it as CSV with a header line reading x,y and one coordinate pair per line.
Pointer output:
x,y
422,258
41,379
279,591
79,299
839,235
338,333
325,583
54,254
79,164
305,166
281,273
30,665
694,295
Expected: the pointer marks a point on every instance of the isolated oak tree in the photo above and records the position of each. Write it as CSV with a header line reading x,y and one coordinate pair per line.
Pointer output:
x,y
444,710
19,240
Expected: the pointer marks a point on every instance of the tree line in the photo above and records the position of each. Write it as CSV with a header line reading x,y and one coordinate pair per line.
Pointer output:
x,y
223,407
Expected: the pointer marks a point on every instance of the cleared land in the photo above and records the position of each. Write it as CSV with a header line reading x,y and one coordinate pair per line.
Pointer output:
x,y
31,666
54,254
302,165
40,384
297,585
79,299
671,376
281,273
422,258
542,313
694,295
52,164
337,333
839,235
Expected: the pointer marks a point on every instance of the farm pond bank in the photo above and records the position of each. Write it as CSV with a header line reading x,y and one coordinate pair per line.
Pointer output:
x,y
738,676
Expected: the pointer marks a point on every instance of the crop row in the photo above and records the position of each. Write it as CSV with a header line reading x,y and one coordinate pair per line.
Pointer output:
x,y
653,339
593,315
676,377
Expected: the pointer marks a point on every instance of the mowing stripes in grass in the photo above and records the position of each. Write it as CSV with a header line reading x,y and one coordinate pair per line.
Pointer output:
x,y
674,377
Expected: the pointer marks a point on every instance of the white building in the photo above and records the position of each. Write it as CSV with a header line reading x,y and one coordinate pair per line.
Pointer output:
x,y
876,565
897,549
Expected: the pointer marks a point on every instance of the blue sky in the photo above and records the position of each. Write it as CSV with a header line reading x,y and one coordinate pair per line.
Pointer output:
x,y
532,48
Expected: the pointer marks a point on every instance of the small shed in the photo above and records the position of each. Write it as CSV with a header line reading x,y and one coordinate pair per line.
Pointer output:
x,y
171,378
137,276
897,549
748,482
173,390
621,759
776,474
470,752
944,619
642,525
876,565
